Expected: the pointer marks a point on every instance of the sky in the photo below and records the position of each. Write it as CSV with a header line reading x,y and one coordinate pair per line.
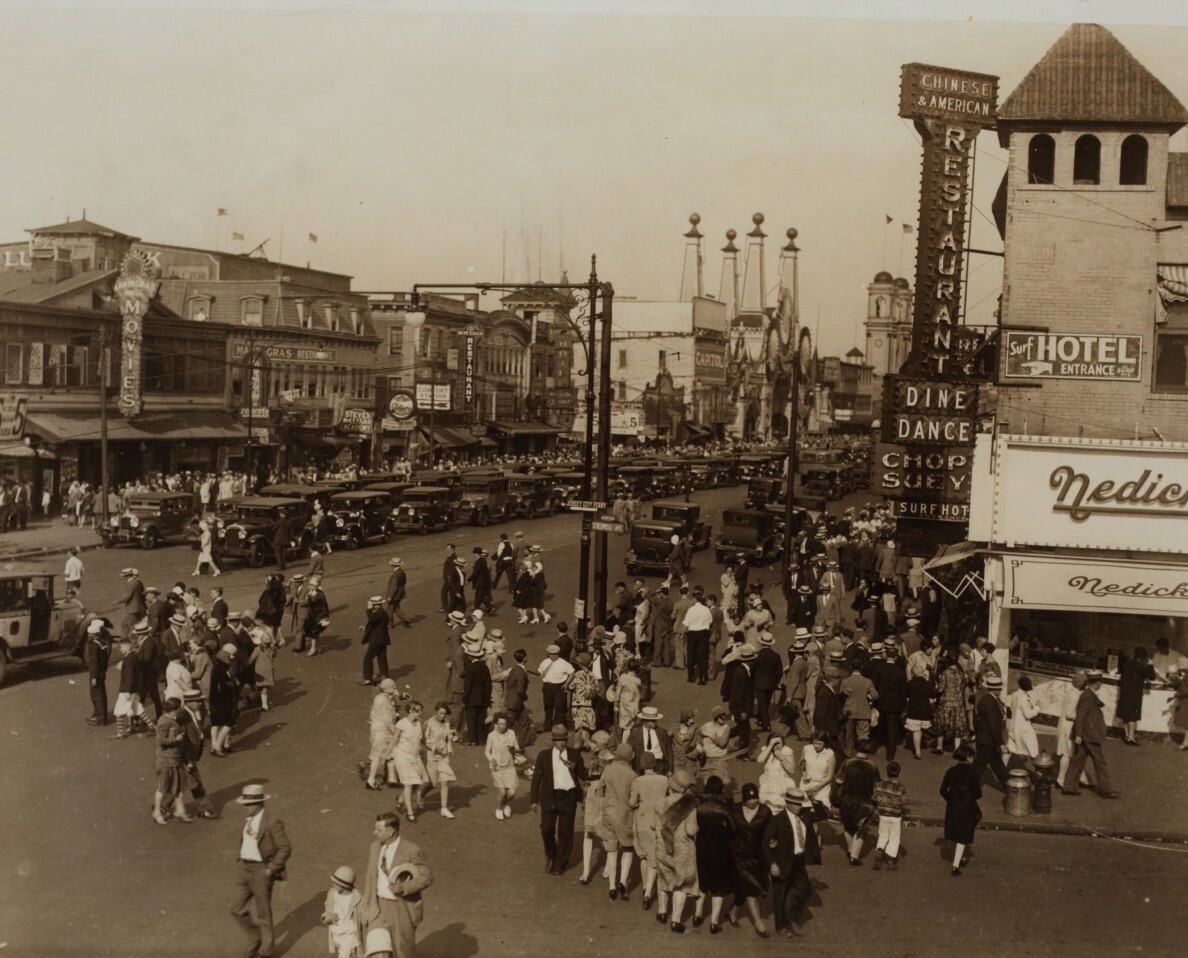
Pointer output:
x,y
468,141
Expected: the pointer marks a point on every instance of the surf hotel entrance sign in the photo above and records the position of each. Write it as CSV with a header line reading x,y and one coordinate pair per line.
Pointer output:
x,y
929,413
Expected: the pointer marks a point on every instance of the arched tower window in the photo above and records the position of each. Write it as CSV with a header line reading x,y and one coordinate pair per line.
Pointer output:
x,y
1041,159
1087,160
1133,171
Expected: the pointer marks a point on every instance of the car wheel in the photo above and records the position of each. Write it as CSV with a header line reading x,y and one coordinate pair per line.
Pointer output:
x,y
354,540
255,556
530,512
386,534
3,666
108,544
424,530
149,541
484,518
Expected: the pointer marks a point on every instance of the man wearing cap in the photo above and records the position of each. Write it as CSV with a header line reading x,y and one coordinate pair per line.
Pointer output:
x,y
505,563
909,638
556,790
397,874
480,581
297,604
990,730
132,600
1088,735
476,693
263,850
377,640
858,695
96,655
158,610
789,845
647,736
449,574
395,592
554,672
218,605
282,538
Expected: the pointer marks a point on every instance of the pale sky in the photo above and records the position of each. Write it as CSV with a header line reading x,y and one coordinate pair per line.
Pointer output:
x,y
412,141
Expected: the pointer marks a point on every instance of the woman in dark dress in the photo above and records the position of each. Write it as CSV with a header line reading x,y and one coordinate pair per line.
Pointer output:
x,y
717,871
223,695
270,608
522,596
1134,674
750,820
961,789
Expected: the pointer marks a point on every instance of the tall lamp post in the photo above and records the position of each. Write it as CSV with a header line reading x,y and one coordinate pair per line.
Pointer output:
x,y
793,420
595,485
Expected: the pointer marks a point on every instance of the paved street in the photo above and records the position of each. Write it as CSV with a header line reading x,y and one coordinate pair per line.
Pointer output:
x,y
112,883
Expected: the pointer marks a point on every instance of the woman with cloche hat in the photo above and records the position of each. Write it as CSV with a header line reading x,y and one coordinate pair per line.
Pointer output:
x,y
341,914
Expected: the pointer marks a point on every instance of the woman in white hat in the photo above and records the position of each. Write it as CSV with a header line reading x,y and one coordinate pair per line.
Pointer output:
x,y
205,547
382,730
341,914
504,757
406,751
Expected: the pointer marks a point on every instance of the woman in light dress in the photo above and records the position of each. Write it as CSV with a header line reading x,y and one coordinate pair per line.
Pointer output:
x,y
382,729
262,662
628,694
1021,737
780,767
1068,714
503,757
496,649
439,747
205,549
406,752
676,850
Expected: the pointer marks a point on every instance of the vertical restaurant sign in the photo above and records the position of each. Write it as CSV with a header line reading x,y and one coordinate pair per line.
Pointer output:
x,y
470,334
134,288
950,108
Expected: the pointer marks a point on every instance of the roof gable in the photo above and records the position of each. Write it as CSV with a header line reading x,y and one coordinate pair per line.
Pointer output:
x,y
83,227
1089,76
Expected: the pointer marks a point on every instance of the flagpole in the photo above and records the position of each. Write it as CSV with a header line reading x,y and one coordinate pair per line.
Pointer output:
x,y
886,223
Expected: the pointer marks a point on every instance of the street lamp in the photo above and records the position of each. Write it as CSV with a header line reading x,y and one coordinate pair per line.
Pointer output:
x,y
415,318
798,359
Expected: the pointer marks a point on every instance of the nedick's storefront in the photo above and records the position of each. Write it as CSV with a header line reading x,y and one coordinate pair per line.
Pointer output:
x,y
1086,560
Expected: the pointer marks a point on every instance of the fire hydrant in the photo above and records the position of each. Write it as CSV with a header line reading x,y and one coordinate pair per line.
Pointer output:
x,y
1043,778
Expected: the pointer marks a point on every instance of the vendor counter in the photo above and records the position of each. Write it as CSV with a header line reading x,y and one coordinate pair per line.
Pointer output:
x,y
1051,681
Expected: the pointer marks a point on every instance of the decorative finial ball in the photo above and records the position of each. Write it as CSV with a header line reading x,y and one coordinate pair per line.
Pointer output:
x,y
730,234
791,234
694,218
757,219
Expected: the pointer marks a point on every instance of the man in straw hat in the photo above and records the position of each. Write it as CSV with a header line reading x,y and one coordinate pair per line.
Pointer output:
x,y
396,591
990,729
789,845
397,874
647,736
376,638
556,789
263,850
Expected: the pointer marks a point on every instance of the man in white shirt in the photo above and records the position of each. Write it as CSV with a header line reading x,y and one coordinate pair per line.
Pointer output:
x,y
788,845
74,571
556,780
553,672
263,850
698,622
397,873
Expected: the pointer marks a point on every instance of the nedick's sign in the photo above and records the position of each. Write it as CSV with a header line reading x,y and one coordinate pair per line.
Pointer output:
x,y
1148,494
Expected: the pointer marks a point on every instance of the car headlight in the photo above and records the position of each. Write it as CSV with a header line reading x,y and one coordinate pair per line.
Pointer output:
x,y
134,522
115,520
338,522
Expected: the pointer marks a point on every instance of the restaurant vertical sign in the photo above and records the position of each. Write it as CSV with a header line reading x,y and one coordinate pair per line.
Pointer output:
x,y
929,414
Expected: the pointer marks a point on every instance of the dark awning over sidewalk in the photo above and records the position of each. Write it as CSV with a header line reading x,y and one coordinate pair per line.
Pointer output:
x,y
83,427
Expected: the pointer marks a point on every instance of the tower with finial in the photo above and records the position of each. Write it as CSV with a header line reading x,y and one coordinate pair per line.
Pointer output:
x,y
691,274
754,289
728,287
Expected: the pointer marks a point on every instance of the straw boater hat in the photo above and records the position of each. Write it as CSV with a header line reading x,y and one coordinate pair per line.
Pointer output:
x,y
474,651
375,600
192,695
837,657
766,638
820,630
252,795
800,646
559,733
458,618
805,588
747,652
649,713
802,633
95,627
994,681
129,572
395,562
876,646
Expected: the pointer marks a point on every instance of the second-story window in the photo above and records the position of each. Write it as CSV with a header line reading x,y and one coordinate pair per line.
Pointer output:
x,y
622,359
253,312
1041,159
1087,161
1133,161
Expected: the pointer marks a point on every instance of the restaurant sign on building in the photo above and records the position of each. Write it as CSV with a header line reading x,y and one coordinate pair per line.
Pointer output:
x,y
1033,354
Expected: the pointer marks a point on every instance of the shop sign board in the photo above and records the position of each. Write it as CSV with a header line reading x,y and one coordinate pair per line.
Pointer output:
x,y
391,424
401,405
1032,354
289,354
356,421
1082,585
927,412
709,360
13,410
924,473
1066,492
437,396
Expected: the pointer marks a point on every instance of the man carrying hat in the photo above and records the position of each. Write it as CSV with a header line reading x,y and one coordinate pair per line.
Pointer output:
x,y
647,736
376,638
990,730
397,874
1088,735
556,789
789,845
263,850
395,592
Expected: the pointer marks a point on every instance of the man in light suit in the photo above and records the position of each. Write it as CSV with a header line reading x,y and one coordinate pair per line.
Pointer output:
x,y
263,850
556,790
397,873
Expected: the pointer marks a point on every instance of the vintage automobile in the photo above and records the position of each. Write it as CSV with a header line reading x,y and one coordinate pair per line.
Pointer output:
x,y
756,535
307,493
670,480
763,491
249,537
440,478
688,516
395,490
634,481
567,485
424,508
225,510
531,496
148,519
340,485
485,499
34,625
355,517
825,481
651,545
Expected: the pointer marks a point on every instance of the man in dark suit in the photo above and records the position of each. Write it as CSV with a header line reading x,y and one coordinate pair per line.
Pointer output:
x,y
282,535
480,581
157,612
990,730
565,642
449,576
827,714
376,638
515,697
556,790
890,681
647,736
476,694
396,591
263,850
505,562
789,845
768,671
218,605
393,901
132,601
1089,735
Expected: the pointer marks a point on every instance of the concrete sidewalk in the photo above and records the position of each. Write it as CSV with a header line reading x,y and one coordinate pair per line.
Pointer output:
x,y
44,539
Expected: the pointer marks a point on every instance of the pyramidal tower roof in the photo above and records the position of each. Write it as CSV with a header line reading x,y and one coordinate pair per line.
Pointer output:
x,y
1089,76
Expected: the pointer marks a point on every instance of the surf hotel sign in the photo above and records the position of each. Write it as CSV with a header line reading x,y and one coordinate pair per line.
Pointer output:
x,y
1042,355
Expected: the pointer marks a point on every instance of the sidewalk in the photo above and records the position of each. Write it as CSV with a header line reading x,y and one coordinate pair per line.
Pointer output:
x,y
43,539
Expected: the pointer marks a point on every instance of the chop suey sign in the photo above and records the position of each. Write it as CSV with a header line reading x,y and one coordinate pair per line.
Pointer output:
x,y
1094,494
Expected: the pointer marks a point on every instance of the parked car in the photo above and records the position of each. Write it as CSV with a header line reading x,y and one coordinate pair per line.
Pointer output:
x,y
441,478
824,481
395,490
34,625
424,508
485,499
306,493
688,516
148,519
531,496
355,517
567,485
249,537
757,535
225,510
651,545
635,481
763,491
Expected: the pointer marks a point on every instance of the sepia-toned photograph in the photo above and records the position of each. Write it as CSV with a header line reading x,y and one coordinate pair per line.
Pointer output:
x,y
493,479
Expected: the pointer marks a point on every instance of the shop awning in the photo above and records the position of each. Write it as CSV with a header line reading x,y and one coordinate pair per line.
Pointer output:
x,y
314,440
488,443
83,427
524,428
950,554
448,437
18,450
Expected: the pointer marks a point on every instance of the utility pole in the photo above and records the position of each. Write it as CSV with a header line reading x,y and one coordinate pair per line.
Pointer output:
x,y
104,346
604,442
793,424
588,457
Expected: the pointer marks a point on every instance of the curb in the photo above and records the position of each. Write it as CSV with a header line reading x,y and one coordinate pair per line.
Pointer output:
x,y
30,555
1041,827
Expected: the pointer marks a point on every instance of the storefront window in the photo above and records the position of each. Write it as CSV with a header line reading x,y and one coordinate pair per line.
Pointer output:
x,y
1171,351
